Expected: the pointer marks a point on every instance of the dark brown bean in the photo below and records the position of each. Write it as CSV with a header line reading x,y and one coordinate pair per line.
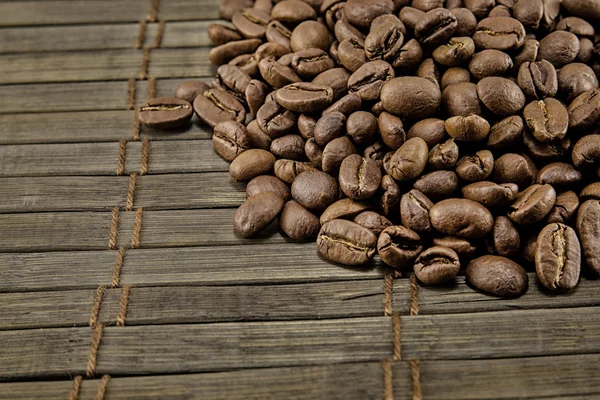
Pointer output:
x,y
257,213
558,257
498,276
437,265
346,242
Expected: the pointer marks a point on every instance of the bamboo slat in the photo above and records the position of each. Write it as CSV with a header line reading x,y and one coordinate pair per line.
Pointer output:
x,y
227,265
172,10
48,390
180,63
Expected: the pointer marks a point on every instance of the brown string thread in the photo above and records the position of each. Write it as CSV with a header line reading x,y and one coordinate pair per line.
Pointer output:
x,y
141,35
131,94
74,394
96,306
159,34
114,229
414,295
137,229
96,338
151,88
145,63
145,157
387,380
388,288
131,192
415,372
102,387
396,333
123,303
117,268
136,125
153,17
122,157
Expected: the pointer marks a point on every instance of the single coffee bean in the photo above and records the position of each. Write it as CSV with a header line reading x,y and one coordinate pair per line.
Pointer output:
x,y
500,33
430,71
361,13
443,156
385,38
268,183
437,265
559,48
234,79
351,54
559,175
546,152
586,51
586,152
376,152
289,146
230,139
285,59
343,209
288,170
309,63
410,16
514,168
427,5
528,53
277,32
250,164
529,13
456,51
297,222
575,79
373,221
490,63
431,130
437,185
274,51
461,217
410,160
591,191
558,257
251,23
314,152
255,95
248,63
479,8
333,10
468,129
359,177
257,213
329,126
414,211
506,133
305,97
498,276
435,27
315,190
335,152
564,209
165,113
547,119
293,11
409,57
189,90
588,228
507,240
229,7
398,246
411,97
216,105
464,248
585,109
346,105
475,167
346,242
582,8
274,120
575,25
276,74
454,75
390,195
538,79
391,130
362,127
490,194
343,30
306,126
226,52
461,99
500,95
466,22
532,205
309,34
368,79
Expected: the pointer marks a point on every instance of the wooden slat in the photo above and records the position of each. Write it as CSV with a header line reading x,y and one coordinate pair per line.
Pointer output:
x,y
50,390
181,34
502,334
460,298
90,126
227,265
172,10
196,304
103,158
174,63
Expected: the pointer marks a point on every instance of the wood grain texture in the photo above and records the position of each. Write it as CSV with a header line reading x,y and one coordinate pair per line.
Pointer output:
x,y
180,63
49,390
179,34
502,334
227,265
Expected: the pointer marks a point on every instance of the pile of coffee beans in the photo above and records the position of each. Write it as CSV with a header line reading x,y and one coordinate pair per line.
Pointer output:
x,y
440,135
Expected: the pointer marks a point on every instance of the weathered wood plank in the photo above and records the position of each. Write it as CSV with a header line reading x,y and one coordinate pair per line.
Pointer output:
x,y
45,390
188,10
461,298
178,34
173,63
502,334
90,126
169,267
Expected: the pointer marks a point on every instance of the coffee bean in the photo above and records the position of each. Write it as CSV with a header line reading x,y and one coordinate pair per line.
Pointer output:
x,y
289,146
409,57
466,22
248,63
391,130
499,33
226,52
443,156
558,257
346,105
435,27
476,167
431,130
585,109
490,194
189,90
346,242
216,105
274,51
329,127
414,211
337,80
229,7
297,222
385,38
343,209
351,54
390,195
437,185
368,80
234,79
309,63
411,97
409,161
463,247
588,228
582,8
454,75
398,246
546,152
359,177
276,74
410,16
559,48
274,120
437,265
427,5
292,11
468,129
255,95
547,119
277,32
490,63
532,205
268,183
578,26
315,190
591,191
498,276
257,213
500,95
251,23
362,127
361,13
309,34
314,152
559,175
374,222
430,71
529,13
288,170
461,217
455,52
514,168
258,139
507,240
575,79
230,139
538,79
586,152
250,164
333,10
305,97
479,8
564,209
506,133
461,99
165,113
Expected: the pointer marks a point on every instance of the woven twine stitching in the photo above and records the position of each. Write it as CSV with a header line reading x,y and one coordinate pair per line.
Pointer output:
x,y
145,157
414,295
131,94
114,229
151,88
388,289
153,17
415,373
141,35
387,379
123,303
74,394
122,157
102,387
96,306
117,268
96,338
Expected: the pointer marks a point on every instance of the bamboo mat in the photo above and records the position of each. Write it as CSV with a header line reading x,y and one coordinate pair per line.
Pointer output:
x,y
121,278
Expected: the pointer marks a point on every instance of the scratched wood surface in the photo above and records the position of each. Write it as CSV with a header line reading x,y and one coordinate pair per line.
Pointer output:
x,y
121,278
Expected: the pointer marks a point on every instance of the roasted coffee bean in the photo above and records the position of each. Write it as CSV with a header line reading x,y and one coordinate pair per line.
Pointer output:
x,y
229,7
575,25
337,79
476,167
226,52
479,8
468,129
529,12
368,80
277,32
385,38
362,127
466,22
591,191
585,109
546,152
564,209
233,79
498,276
506,133
575,79
490,63
335,152
346,105
255,95
165,113
430,71
464,248
582,8
361,13
189,90
499,11
454,75
248,64
273,51
391,130
305,97
559,48
250,164
285,59
588,228
351,54
437,185
514,168
268,183
528,53
292,11
500,33
461,217
251,23
289,146
443,155
490,194
297,222
410,16
586,152
376,152
216,105
330,126
456,51
274,120
306,126
431,130
500,95
547,119
558,257
559,175
461,99
532,205
374,222
288,170
333,10
309,34
399,246
276,74
411,97
409,57
343,30
314,152
427,5
437,265
538,79
435,27
346,242
414,211
359,177
315,190
230,139
257,213
507,240
409,161
343,209
309,63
